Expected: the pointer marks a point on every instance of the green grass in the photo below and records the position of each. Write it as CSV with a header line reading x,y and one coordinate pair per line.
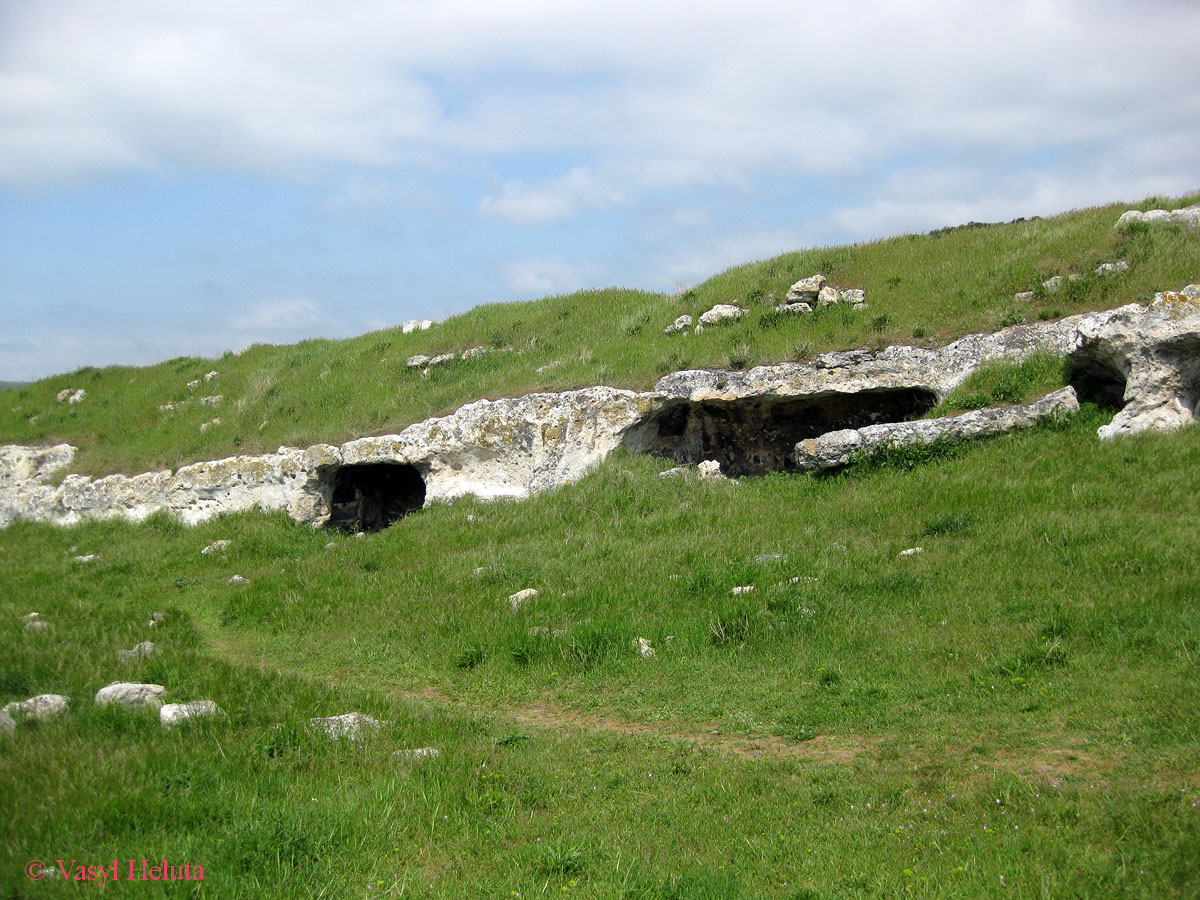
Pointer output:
x,y
1013,712
1033,721
924,289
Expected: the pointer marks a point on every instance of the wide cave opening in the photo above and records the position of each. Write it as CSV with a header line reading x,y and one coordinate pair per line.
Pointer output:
x,y
755,435
371,496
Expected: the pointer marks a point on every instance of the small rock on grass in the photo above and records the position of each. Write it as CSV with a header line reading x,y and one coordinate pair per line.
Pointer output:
x,y
131,694
642,646
173,714
85,558
743,589
156,619
36,625
418,754
29,617
43,706
216,547
912,551
238,579
145,648
7,725
515,600
349,726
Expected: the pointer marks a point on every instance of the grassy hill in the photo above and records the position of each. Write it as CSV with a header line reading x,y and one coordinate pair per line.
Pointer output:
x,y
922,289
1013,711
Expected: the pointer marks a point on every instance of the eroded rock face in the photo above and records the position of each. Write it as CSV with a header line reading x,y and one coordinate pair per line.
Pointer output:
x,y
749,422
1155,353
836,448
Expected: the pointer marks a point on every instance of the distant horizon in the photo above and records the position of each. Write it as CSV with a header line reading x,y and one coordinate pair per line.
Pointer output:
x,y
180,180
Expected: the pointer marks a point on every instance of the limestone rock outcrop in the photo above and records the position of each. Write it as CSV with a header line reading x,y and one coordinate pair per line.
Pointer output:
x,y
1189,215
1156,351
742,422
836,448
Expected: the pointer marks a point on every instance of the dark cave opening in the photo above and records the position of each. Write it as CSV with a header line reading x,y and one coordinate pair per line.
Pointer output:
x,y
755,435
371,496
1096,381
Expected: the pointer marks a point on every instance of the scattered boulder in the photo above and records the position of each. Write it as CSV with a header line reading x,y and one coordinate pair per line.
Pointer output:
x,y
1023,296
417,361
743,589
805,290
67,395
128,657
418,754
351,726
683,323
836,448
642,646
7,725
911,551
216,547
156,619
722,312
827,296
85,558
440,360
1112,268
416,325
192,385
172,714
36,625
211,423
1054,284
677,472
42,707
515,600
856,297
332,545
792,308
209,376
472,353
238,579
28,617
131,694
709,468
213,401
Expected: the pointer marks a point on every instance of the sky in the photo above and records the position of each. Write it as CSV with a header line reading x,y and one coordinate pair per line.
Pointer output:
x,y
186,178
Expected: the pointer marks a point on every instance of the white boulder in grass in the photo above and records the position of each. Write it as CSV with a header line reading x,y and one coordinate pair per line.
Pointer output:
x,y
911,551
515,600
7,725
683,323
216,547
722,312
350,726
418,754
36,625
642,646
131,694
43,706
238,579
172,714
805,290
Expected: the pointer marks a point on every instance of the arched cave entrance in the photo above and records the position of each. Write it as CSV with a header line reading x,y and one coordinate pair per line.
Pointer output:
x,y
1097,380
371,496
756,435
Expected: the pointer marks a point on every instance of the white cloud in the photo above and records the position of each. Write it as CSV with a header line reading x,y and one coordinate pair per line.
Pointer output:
x,y
529,278
281,317
556,200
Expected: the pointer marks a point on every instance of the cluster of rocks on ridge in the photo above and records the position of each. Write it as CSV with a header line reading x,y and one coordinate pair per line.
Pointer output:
x,y
804,296
1188,215
521,446
425,363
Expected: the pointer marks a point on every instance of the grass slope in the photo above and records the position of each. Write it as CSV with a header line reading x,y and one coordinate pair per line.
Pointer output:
x,y
1014,711
1015,708
923,289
